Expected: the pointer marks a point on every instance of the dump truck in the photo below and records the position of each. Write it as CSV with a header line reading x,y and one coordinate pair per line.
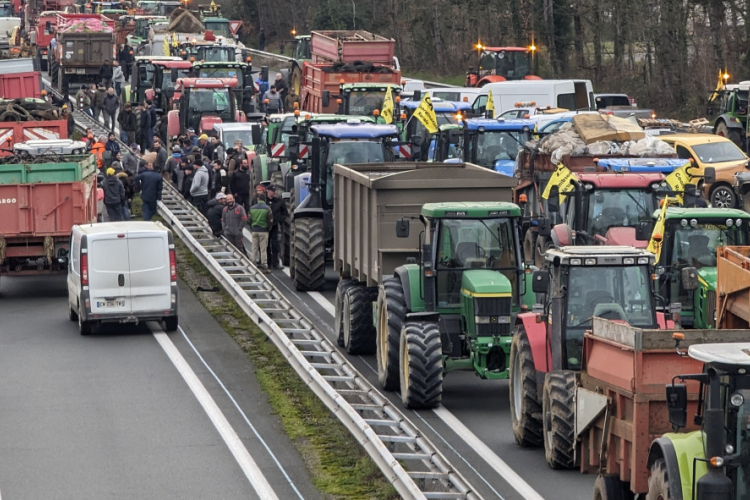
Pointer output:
x,y
354,66
84,41
41,198
426,305
633,395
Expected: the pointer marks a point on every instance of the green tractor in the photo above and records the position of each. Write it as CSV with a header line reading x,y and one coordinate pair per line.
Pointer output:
x,y
686,263
732,120
453,309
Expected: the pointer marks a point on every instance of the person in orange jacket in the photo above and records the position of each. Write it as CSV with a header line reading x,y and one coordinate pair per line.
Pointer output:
x,y
98,150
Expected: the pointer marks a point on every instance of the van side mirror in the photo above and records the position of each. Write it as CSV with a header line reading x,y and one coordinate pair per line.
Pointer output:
x,y
402,228
689,278
326,98
257,135
643,230
174,74
544,227
709,175
677,405
540,282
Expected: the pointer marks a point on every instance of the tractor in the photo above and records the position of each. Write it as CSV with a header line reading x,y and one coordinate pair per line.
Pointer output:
x,y
244,92
499,64
155,78
611,282
732,120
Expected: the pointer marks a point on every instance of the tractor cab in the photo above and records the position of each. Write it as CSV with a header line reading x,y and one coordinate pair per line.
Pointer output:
x,y
141,25
498,64
733,111
144,75
686,260
364,99
230,69
205,51
412,130
203,102
219,26
494,143
302,48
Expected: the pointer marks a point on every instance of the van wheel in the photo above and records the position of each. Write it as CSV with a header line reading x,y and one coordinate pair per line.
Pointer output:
x,y
170,324
72,315
84,327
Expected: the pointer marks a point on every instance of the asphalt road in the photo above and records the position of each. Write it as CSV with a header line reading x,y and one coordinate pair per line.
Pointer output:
x,y
111,416
472,428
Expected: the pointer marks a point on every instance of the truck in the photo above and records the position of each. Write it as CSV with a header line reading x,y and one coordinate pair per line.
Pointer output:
x,y
341,59
41,198
18,79
84,41
435,300
499,64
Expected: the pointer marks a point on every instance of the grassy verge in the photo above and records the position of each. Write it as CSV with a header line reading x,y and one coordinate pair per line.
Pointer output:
x,y
338,466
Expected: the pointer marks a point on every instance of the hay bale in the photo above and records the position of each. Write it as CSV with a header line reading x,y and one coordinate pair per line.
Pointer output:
x,y
186,23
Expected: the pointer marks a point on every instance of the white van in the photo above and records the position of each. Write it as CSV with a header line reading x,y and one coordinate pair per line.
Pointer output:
x,y
456,94
122,272
568,94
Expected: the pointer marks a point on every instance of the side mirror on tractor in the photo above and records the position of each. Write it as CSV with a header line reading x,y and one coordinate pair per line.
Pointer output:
x,y
326,98
677,405
643,230
540,282
544,226
257,135
709,175
174,74
402,228
689,278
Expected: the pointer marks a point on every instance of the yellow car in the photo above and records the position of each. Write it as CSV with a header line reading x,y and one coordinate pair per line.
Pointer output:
x,y
708,150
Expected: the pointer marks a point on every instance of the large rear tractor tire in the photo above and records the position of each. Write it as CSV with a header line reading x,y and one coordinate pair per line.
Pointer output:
x,y
338,304
359,332
558,419
543,244
309,254
525,407
611,488
658,482
529,246
733,134
391,318
421,365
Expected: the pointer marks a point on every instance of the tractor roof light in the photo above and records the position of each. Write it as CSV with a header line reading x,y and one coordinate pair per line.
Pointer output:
x,y
642,260
730,222
628,261
575,262
376,112
459,116
403,116
296,105
296,111
684,223
657,237
339,101
693,223
589,262
397,99
738,222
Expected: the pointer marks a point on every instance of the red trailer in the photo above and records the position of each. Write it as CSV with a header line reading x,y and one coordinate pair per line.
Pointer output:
x,y
13,132
36,216
351,46
18,85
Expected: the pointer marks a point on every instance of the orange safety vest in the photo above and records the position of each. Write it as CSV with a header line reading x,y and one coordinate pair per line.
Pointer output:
x,y
98,150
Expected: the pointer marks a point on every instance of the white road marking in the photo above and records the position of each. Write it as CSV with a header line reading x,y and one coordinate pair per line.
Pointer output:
x,y
230,437
318,297
493,460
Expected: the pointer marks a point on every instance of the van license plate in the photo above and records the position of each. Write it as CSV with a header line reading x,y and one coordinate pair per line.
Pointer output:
x,y
110,303
81,71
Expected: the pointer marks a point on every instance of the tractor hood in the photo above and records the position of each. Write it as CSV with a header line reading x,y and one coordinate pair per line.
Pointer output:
x,y
485,282
707,278
208,122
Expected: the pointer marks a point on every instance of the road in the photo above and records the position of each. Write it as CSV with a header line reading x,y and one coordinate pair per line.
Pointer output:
x,y
133,412
472,428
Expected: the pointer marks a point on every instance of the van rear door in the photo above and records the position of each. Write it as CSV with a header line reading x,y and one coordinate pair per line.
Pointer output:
x,y
109,283
150,285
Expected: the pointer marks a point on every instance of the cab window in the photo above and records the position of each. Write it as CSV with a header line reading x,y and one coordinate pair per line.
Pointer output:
x,y
683,153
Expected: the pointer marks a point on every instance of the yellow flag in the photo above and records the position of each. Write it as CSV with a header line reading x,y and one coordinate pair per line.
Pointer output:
x,y
165,48
677,180
562,178
425,113
654,245
490,104
387,112
175,42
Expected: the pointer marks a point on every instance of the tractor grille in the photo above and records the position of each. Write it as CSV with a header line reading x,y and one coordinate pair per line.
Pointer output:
x,y
710,307
496,311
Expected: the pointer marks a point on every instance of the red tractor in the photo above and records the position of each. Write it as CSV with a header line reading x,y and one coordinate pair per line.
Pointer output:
x,y
499,64
203,102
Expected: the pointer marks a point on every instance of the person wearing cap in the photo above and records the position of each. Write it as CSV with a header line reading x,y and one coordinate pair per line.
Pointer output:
x,y
260,189
128,123
173,164
151,185
114,195
145,128
99,96
111,148
202,142
279,211
261,220
193,138
214,210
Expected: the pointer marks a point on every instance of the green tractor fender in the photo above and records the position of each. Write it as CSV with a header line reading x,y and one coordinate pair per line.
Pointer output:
x,y
411,281
528,297
703,306
678,451
728,121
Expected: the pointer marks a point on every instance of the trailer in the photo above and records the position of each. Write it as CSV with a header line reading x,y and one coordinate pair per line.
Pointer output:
x,y
19,85
351,45
39,204
15,132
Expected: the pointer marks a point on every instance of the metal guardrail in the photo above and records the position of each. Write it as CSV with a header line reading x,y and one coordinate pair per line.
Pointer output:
x,y
426,474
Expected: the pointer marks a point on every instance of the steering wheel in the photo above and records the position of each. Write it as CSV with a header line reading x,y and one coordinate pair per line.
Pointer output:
x,y
600,299
470,252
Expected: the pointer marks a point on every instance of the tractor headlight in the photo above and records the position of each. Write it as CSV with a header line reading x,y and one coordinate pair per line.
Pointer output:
x,y
738,222
737,399
589,262
693,223
729,449
684,222
730,222
487,320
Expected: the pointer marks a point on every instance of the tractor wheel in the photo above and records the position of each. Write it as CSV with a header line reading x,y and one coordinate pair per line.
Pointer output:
x,y
746,202
732,134
611,488
421,364
161,128
543,244
525,407
296,79
338,302
658,482
391,317
722,196
558,419
309,255
291,246
359,332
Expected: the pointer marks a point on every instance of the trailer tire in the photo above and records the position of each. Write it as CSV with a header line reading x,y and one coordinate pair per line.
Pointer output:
x,y
611,488
558,419
525,408
658,482
53,72
309,254
391,318
62,81
421,365
338,303
359,332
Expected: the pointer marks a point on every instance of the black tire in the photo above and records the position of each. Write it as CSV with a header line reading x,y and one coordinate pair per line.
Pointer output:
x,y
722,196
295,79
62,82
543,244
525,407
292,239
558,419
391,318
72,315
611,488
733,134
84,327
338,316
529,246
359,332
421,365
658,482
171,323
54,70
309,254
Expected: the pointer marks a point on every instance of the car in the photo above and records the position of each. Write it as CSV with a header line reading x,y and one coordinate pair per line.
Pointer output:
x,y
708,150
